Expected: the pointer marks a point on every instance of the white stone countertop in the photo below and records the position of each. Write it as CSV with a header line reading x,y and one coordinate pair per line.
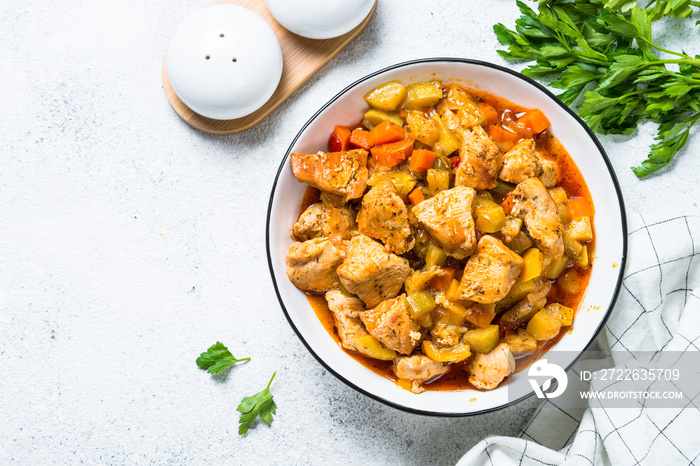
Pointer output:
x,y
130,242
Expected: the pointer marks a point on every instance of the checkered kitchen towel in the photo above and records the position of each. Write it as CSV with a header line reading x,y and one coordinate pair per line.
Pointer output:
x,y
658,310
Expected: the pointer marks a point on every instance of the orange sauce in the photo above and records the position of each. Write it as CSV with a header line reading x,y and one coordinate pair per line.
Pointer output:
x,y
311,197
570,179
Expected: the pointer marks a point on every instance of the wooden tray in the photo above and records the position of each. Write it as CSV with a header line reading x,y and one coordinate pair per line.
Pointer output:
x,y
301,57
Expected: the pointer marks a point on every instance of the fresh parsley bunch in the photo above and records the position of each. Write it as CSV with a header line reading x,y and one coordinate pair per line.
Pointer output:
x,y
603,50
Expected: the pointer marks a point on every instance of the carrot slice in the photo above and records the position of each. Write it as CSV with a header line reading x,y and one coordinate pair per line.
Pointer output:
x,y
442,283
386,132
535,120
580,207
340,139
508,204
421,160
360,138
416,196
500,134
393,153
489,113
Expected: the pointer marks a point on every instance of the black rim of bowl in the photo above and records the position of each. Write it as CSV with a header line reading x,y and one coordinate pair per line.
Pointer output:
x,y
547,92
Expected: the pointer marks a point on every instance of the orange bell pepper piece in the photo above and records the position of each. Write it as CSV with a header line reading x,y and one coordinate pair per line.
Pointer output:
x,y
393,153
360,138
421,160
386,132
339,139
534,120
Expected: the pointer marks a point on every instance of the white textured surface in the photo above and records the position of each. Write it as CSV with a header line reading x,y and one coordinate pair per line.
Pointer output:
x,y
130,242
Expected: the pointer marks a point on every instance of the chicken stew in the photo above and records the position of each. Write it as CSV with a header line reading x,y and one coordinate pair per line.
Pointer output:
x,y
444,237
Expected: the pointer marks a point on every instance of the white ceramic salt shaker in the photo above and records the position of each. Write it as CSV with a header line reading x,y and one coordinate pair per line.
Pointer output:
x,y
320,19
224,62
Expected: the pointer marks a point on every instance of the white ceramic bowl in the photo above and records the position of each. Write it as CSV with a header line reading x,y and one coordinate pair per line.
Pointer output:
x,y
347,108
224,62
320,19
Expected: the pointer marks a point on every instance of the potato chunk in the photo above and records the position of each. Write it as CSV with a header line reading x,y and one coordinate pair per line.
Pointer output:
x,y
544,326
422,95
386,97
482,340
420,128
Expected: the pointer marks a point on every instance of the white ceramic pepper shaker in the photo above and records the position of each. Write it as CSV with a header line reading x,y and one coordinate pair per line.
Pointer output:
x,y
320,19
224,62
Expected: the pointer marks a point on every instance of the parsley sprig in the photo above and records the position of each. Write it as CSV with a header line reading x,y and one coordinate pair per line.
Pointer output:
x,y
217,358
603,50
261,404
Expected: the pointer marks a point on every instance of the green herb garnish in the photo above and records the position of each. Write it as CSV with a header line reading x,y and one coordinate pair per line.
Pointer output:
x,y
261,404
588,46
217,358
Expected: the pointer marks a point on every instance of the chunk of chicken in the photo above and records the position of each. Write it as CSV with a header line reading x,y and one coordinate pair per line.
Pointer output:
x,y
418,368
480,161
490,272
321,220
419,279
372,273
341,173
391,324
332,200
447,335
383,216
520,163
550,171
488,370
448,218
346,313
532,203
523,162
519,341
311,265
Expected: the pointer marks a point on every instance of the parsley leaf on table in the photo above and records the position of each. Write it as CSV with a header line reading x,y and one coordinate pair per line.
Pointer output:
x,y
602,51
217,358
261,404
